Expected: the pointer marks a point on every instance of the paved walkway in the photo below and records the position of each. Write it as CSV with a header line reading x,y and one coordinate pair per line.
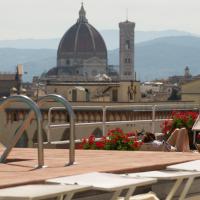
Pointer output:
x,y
20,170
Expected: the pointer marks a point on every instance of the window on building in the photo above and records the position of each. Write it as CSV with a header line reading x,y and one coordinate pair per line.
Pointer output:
x,y
114,95
74,95
131,92
68,62
94,72
127,60
127,45
87,95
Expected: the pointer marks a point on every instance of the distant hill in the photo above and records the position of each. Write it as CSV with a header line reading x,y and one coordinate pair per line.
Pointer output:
x,y
158,58
35,61
164,57
111,38
30,43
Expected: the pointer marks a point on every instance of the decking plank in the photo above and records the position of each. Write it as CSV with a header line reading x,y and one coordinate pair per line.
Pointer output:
x,y
19,169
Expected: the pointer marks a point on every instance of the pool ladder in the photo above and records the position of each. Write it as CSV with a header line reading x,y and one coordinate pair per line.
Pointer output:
x,y
35,111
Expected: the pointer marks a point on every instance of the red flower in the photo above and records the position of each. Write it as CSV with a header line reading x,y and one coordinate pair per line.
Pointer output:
x,y
115,139
130,134
100,145
178,120
198,136
91,139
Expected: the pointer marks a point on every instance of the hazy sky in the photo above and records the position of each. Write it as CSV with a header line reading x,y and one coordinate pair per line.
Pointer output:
x,y
51,18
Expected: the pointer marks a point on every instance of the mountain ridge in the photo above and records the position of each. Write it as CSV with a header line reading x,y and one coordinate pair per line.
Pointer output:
x,y
110,36
162,57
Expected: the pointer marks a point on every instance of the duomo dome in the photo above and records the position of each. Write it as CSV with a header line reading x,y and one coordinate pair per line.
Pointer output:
x,y
82,50
82,40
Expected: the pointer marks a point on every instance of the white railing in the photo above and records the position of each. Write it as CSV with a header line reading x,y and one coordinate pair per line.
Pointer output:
x,y
134,108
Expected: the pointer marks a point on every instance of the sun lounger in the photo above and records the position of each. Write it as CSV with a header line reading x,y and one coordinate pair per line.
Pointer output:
x,y
177,176
147,196
187,166
193,166
41,191
106,182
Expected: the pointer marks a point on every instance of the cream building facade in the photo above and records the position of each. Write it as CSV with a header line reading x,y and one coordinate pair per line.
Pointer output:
x,y
11,83
191,91
102,91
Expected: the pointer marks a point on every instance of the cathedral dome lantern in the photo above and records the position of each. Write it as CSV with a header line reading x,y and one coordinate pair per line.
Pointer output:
x,y
81,45
82,15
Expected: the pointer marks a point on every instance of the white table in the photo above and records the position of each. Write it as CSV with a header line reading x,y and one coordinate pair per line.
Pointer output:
x,y
106,182
178,176
41,191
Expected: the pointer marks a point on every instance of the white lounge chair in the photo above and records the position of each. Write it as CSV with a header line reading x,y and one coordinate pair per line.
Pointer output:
x,y
147,196
106,182
41,191
193,166
177,176
187,166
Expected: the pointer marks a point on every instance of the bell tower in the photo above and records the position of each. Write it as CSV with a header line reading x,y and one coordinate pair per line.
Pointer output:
x,y
127,50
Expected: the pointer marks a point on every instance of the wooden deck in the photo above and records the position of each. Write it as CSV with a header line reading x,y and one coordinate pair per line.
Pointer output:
x,y
19,169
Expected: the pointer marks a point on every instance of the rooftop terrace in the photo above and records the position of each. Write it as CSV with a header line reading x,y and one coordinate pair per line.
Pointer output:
x,y
20,166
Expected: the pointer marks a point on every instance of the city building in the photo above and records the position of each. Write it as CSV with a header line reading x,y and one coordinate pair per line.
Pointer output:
x,y
156,91
126,53
10,83
190,91
82,52
181,79
82,72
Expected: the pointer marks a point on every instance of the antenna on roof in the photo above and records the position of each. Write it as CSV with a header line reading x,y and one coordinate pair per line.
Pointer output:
x,y
126,14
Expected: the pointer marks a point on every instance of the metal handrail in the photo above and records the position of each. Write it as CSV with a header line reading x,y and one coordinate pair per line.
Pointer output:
x,y
19,132
153,108
67,106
